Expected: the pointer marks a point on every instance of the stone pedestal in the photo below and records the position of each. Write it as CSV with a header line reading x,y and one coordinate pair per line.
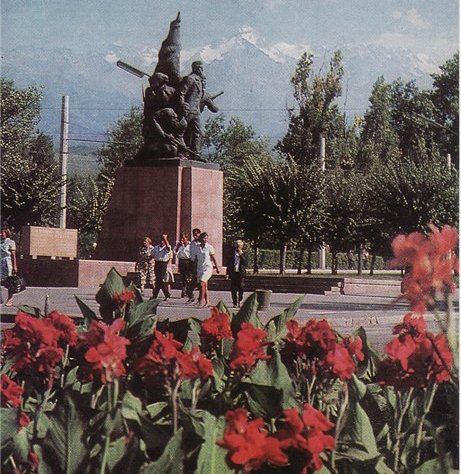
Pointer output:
x,y
169,196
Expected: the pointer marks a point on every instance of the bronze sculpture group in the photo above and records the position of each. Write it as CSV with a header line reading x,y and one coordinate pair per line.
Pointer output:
x,y
172,105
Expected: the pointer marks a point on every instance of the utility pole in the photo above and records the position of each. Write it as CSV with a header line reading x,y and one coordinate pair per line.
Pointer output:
x,y
322,258
63,154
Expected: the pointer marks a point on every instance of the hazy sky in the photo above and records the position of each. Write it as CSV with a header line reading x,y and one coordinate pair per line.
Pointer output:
x,y
424,26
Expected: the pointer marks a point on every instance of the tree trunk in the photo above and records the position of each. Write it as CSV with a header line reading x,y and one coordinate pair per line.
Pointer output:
x,y
359,260
255,258
334,262
372,264
309,261
300,260
283,257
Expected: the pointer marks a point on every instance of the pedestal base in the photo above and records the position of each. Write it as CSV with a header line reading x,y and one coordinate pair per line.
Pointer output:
x,y
163,196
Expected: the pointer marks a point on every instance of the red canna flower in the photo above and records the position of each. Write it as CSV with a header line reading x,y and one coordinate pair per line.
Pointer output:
x,y
32,458
35,344
415,358
217,327
105,352
341,362
432,262
61,322
316,345
24,421
194,365
123,298
11,392
160,364
306,434
248,348
249,444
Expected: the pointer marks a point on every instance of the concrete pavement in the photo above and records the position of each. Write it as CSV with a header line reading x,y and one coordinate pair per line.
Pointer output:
x,y
376,314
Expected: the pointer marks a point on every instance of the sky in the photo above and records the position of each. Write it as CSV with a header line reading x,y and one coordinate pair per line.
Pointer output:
x,y
425,26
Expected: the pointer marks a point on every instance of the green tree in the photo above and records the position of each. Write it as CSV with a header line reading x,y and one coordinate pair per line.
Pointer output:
x,y
347,216
30,180
318,113
229,145
278,199
445,97
412,114
378,140
404,196
123,142
87,202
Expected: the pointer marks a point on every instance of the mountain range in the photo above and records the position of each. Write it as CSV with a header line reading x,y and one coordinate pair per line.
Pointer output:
x,y
254,76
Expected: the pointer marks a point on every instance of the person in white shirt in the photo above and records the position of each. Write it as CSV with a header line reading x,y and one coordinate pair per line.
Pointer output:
x,y
206,261
182,252
193,251
162,256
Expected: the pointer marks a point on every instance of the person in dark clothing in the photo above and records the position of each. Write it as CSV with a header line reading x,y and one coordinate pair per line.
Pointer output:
x,y
182,252
236,271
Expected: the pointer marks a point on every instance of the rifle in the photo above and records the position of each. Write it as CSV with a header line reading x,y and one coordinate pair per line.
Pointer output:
x,y
131,69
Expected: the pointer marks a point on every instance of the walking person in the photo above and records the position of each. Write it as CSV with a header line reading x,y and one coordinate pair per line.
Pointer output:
x,y
8,260
236,271
162,255
205,263
145,264
182,252
194,245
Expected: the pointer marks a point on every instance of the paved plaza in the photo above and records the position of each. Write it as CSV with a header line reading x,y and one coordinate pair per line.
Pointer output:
x,y
376,314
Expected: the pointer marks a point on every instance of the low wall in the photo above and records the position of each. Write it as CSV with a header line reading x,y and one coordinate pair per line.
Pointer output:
x,y
69,273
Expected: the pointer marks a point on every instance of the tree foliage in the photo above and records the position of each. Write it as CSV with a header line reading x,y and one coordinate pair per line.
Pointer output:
x,y
315,94
445,97
404,196
123,142
278,199
378,139
30,180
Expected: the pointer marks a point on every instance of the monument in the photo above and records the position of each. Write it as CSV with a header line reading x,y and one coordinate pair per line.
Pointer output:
x,y
168,187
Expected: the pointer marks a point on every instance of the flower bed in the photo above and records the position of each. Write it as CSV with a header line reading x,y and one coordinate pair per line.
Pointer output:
x,y
133,392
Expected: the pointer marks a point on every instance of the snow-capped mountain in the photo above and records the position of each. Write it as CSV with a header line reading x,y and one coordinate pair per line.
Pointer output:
x,y
253,73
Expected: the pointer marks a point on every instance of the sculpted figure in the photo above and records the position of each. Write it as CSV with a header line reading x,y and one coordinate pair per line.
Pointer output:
x,y
167,133
190,92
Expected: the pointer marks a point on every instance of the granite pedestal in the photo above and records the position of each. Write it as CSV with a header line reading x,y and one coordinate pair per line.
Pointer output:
x,y
154,197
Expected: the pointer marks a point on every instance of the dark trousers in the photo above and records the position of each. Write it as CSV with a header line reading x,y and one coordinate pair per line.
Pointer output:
x,y
237,283
186,272
192,284
160,272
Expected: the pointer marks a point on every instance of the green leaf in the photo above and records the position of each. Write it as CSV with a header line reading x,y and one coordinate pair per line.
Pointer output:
x,y
138,312
367,368
155,409
131,407
9,425
32,310
273,373
116,452
277,326
172,459
357,440
433,466
88,314
155,435
263,400
218,375
222,308
212,458
112,284
63,447
248,313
